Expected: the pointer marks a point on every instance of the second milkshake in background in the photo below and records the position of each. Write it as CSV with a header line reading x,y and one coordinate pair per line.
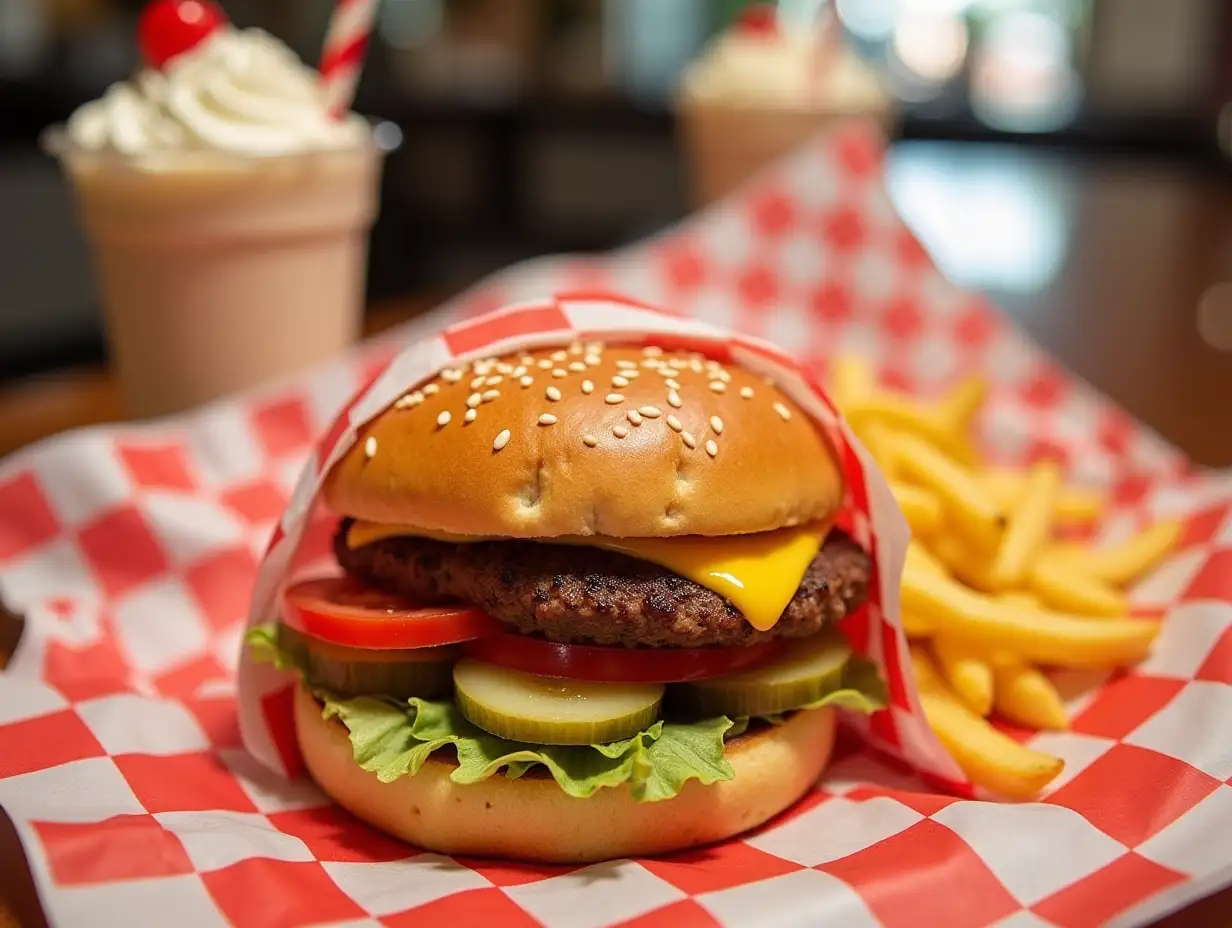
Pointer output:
x,y
228,215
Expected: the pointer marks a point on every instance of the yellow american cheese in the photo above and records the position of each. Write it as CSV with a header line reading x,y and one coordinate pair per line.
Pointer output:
x,y
758,574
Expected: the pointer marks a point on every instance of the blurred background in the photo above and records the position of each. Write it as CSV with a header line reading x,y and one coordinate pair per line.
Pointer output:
x,y
1044,147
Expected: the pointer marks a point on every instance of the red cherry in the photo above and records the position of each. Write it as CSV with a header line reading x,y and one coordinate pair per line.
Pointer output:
x,y
167,28
758,19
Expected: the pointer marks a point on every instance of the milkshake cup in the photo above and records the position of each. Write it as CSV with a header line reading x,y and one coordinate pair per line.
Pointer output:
x,y
762,89
228,217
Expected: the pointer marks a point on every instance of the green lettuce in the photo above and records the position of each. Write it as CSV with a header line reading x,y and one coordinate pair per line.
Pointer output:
x,y
392,739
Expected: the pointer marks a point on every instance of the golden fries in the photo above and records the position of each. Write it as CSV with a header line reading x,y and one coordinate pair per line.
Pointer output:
x,y
987,591
990,758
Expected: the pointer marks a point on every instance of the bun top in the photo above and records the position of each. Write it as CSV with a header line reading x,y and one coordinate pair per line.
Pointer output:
x,y
591,440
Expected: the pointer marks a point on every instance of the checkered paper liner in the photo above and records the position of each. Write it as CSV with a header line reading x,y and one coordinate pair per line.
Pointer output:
x,y
132,552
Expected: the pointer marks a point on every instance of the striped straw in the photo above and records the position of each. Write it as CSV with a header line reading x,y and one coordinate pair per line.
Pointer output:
x,y
342,58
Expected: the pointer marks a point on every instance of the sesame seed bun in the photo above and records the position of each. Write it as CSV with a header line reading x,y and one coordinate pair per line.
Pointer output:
x,y
531,818
603,440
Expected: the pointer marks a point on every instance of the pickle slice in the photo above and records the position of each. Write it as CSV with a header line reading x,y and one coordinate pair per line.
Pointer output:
x,y
347,672
812,668
547,710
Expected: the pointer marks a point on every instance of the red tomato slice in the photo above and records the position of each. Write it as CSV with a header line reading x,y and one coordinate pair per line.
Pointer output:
x,y
346,612
617,665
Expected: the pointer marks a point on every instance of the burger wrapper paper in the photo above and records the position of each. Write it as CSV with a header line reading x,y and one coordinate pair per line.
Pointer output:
x,y
150,769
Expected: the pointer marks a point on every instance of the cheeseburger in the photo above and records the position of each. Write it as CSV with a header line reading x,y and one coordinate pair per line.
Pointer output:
x,y
587,608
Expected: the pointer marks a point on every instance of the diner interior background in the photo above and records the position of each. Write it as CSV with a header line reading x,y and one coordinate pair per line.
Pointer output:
x,y
534,126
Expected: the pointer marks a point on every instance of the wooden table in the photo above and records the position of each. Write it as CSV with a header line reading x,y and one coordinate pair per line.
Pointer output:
x,y
1145,245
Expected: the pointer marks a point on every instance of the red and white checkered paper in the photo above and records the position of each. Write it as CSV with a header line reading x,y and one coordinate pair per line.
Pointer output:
x,y
132,551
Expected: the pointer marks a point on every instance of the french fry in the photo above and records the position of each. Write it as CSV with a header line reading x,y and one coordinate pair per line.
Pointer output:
x,y
969,675
961,562
1043,637
1019,598
972,508
958,407
1024,695
1028,528
879,440
850,380
921,556
1074,505
921,508
911,417
1124,563
1065,588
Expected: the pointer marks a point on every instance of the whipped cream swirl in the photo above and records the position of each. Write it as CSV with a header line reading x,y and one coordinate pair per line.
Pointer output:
x,y
240,91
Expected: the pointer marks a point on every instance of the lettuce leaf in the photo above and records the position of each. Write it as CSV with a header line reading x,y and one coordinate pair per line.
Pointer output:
x,y
393,739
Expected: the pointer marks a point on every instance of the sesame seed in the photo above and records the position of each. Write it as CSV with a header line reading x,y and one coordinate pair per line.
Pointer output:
x,y
560,372
482,367
635,417
783,411
594,347
504,367
718,386
672,384
575,347
696,366
501,439
476,383
527,360
723,376
746,393
619,381
519,371
411,399
588,386
471,415
613,398
712,449
717,424
577,366
652,351
443,419
688,439
633,374
626,365
674,424
650,412
592,359
451,375
552,393
474,400
673,400
544,364
669,372
494,380
547,419
370,447
558,355
526,380
490,395
589,441
619,431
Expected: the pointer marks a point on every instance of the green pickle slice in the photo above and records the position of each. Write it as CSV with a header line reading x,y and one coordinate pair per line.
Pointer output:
x,y
547,710
349,672
812,668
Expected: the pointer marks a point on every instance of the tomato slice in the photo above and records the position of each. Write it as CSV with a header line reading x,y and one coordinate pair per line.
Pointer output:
x,y
346,612
618,665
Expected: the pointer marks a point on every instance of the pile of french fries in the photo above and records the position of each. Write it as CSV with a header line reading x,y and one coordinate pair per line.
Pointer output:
x,y
989,592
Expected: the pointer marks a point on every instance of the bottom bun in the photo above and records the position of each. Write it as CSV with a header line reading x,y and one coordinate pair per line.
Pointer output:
x,y
531,818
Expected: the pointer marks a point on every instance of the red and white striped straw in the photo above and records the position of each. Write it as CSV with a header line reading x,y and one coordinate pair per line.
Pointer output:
x,y
342,57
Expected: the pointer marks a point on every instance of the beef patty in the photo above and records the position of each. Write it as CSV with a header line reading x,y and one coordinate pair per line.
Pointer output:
x,y
588,595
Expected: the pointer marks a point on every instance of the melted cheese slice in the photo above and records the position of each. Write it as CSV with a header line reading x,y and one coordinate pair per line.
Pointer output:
x,y
758,574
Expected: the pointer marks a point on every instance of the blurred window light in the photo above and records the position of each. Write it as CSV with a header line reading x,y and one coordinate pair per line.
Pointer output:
x,y
1022,78
407,24
870,20
800,14
930,45
989,221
